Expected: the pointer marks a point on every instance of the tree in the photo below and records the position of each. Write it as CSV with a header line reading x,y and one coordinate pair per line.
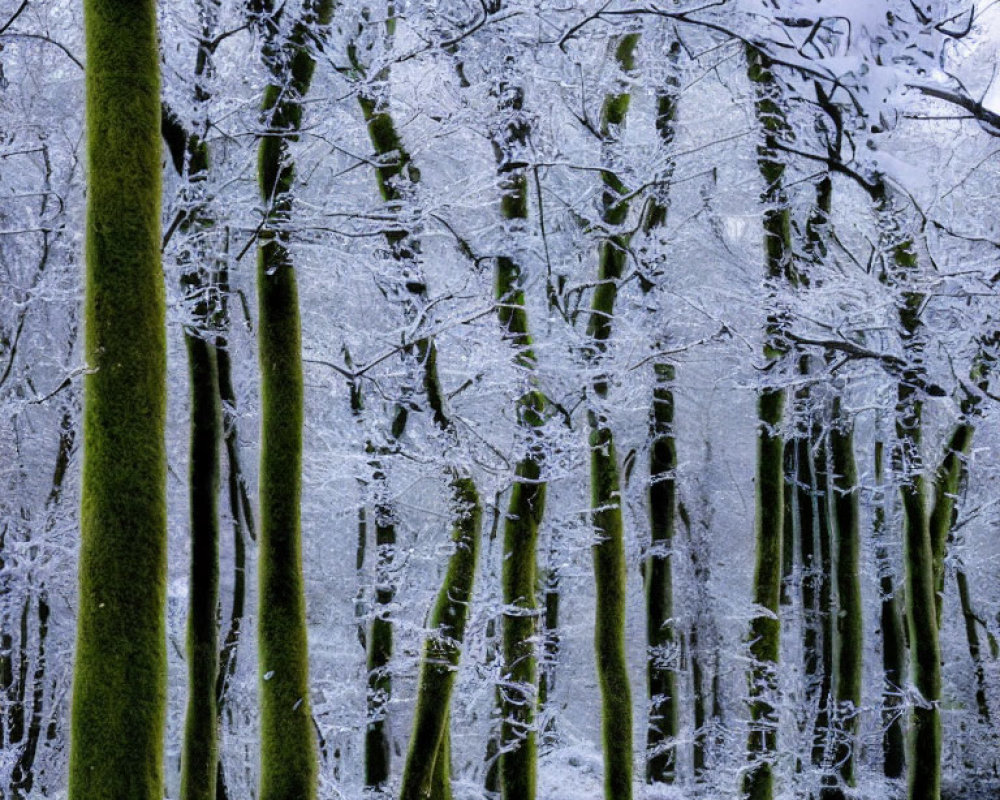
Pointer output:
x,y
605,501
427,773
769,495
526,505
119,688
288,750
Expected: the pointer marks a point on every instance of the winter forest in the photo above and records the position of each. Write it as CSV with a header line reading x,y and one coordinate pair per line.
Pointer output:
x,y
516,399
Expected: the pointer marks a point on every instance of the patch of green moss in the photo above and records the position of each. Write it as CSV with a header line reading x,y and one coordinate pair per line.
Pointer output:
x,y
119,685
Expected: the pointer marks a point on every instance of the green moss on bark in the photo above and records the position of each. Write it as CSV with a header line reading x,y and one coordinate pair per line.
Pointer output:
x,y
893,638
519,693
605,502
288,765
443,649
199,757
663,712
119,687
609,628
849,623
765,628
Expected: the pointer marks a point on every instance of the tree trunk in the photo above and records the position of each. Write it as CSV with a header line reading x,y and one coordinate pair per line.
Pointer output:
x,y
660,670
519,690
661,673
921,604
893,638
200,754
609,550
288,748
849,629
119,687
765,628
442,650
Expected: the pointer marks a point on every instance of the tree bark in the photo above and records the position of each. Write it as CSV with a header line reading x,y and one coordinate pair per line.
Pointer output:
x,y
849,630
893,638
442,650
288,764
200,754
119,687
765,628
924,779
519,692
661,673
606,513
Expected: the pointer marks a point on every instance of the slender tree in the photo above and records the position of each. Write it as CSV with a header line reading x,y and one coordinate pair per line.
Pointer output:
x,y
427,771
661,675
849,630
924,778
200,754
426,775
765,628
519,689
609,550
893,635
119,687
288,749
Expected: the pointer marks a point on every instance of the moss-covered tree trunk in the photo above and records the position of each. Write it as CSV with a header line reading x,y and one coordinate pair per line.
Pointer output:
x,y
660,671
396,177
605,501
200,765
119,685
972,623
200,753
519,691
893,636
425,760
288,750
765,628
849,630
924,778
661,674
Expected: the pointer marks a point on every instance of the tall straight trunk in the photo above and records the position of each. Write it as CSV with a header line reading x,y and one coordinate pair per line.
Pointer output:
x,y
811,573
206,282
765,628
200,753
849,628
288,748
924,779
822,756
519,690
119,684
893,637
661,675
240,511
609,551
427,770
442,650
238,496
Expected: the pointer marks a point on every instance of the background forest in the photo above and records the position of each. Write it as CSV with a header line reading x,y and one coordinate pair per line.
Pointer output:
x,y
649,424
